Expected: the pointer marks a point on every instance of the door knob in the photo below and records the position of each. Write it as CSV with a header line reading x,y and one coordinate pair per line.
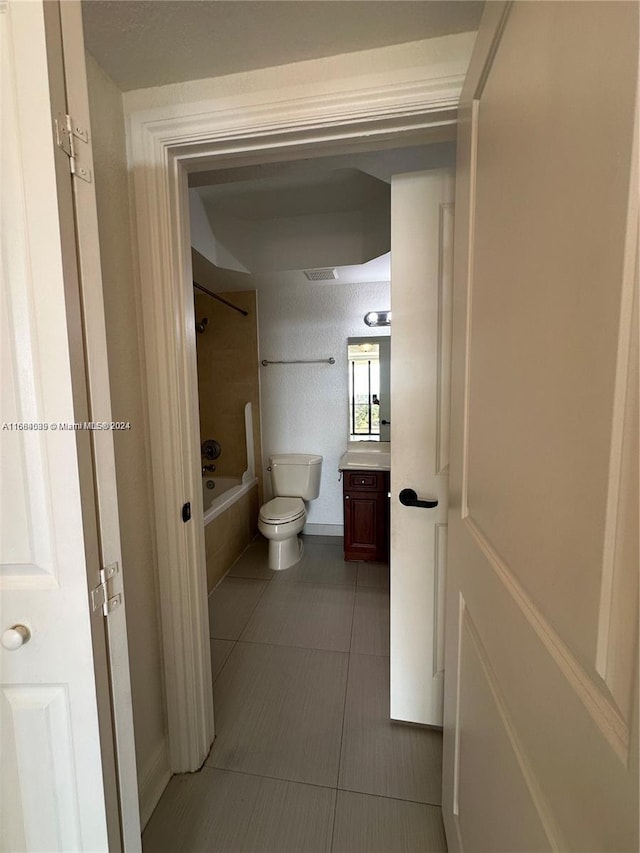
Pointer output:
x,y
15,637
409,498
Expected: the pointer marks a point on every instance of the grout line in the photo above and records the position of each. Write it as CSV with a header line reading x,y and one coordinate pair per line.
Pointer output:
x,y
231,639
389,797
309,583
344,714
299,648
318,785
369,655
273,778
226,660
253,610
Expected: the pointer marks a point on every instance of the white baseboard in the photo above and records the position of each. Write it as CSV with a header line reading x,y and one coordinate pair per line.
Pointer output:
x,y
323,530
153,779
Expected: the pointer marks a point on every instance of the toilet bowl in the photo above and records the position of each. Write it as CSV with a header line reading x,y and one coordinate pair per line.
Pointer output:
x,y
295,478
280,520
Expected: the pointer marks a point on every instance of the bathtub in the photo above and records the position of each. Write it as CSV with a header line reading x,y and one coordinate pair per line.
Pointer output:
x,y
230,513
226,491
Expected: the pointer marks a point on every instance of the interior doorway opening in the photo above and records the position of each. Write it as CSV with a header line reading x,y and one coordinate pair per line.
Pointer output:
x,y
166,275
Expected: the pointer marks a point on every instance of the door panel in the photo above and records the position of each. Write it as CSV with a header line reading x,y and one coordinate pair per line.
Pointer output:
x,y
542,604
421,269
489,754
54,779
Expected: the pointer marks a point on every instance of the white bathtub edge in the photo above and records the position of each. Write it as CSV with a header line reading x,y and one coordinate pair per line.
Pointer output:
x,y
226,500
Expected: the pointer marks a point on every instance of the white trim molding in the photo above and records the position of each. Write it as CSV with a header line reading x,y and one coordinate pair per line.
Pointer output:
x,y
154,778
165,143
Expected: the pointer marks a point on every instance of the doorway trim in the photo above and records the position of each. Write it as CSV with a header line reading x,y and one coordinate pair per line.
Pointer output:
x,y
165,145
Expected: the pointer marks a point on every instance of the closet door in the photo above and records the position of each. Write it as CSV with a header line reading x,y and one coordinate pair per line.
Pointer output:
x,y
61,787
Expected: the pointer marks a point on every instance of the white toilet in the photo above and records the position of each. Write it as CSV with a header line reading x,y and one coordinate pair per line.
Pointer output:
x,y
295,478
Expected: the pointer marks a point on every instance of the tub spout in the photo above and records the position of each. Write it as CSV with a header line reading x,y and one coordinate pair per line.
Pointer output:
x,y
208,469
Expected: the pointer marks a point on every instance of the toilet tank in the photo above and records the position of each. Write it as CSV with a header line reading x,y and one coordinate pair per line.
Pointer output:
x,y
296,475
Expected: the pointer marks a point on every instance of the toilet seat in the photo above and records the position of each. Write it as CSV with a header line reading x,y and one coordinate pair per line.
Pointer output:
x,y
282,510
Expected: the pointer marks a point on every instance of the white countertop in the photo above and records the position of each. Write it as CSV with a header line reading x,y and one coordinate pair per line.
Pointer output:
x,y
365,460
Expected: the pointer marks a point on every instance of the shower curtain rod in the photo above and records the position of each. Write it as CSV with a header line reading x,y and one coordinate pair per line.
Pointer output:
x,y
221,299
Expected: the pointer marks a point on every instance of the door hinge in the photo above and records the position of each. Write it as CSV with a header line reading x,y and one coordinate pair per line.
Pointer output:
x,y
103,597
68,137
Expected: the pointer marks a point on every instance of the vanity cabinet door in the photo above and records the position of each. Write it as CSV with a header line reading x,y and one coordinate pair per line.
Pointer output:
x,y
366,517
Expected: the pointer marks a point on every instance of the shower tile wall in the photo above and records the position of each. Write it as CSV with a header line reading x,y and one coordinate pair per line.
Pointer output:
x,y
227,372
227,379
227,536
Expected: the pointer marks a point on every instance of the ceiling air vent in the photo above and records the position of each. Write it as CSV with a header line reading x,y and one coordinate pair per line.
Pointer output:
x,y
322,275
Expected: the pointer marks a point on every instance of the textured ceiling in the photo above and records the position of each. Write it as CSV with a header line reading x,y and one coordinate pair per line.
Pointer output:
x,y
142,43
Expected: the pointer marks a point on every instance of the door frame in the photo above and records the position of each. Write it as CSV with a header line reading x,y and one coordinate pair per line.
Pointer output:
x,y
165,145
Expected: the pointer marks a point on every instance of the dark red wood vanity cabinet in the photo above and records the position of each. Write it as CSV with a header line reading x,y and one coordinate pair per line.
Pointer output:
x,y
366,515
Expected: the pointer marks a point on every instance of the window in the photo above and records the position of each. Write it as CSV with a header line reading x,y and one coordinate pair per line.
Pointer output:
x,y
364,391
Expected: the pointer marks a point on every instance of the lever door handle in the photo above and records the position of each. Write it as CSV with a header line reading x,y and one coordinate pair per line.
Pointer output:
x,y
386,423
409,498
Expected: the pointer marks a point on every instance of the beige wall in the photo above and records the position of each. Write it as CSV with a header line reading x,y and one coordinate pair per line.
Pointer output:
x,y
127,396
443,57
228,371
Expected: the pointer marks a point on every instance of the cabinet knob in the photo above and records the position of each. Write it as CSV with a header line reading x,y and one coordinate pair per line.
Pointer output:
x,y
346,497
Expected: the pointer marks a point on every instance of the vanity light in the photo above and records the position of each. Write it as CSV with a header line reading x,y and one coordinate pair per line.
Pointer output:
x,y
378,318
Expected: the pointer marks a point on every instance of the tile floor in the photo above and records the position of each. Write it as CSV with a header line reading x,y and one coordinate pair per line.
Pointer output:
x,y
305,758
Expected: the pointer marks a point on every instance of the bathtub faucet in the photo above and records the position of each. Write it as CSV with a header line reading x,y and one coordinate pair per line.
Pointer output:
x,y
208,469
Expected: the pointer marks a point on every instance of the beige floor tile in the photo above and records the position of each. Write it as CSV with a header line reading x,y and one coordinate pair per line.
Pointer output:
x,y
366,824
230,606
371,622
223,812
279,713
315,616
383,757
253,563
373,574
320,563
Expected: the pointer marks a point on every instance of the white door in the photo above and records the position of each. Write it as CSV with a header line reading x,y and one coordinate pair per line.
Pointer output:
x,y
421,257
541,706
60,781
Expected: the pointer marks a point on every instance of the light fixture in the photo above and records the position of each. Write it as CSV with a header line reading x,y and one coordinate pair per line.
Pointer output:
x,y
378,318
